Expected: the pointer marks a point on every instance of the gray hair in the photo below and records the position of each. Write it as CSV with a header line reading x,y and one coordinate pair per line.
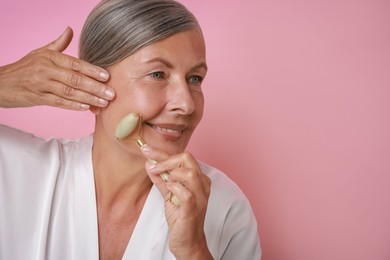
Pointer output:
x,y
115,29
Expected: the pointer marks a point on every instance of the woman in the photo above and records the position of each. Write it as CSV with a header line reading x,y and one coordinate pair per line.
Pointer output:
x,y
99,197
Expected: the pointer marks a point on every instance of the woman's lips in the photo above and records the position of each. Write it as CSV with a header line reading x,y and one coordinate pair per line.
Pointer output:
x,y
172,131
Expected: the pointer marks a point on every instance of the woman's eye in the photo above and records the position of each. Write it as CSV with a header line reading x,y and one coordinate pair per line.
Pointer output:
x,y
157,75
196,79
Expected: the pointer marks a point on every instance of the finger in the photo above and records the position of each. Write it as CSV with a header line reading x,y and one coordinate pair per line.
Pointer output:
x,y
57,101
62,42
183,169
83,83
154,153
168,162
189,201
74,64
157,180
193,180
185,160
188,178
181,164
68,62
74,94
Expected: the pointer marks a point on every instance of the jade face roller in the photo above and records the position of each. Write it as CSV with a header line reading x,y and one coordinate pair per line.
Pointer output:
x,y
125,127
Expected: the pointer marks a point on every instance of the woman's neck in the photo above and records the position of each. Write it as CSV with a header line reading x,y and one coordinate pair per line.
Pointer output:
x,y
120,176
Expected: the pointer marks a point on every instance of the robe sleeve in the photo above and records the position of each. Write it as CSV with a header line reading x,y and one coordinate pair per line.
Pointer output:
x,y
240,233
28,177
231,226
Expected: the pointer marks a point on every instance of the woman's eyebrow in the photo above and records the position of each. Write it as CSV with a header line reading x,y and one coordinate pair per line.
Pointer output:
x,y
170,65
161,60
200,65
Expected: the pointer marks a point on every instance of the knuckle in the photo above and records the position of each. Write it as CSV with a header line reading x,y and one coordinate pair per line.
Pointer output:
x,y
75,65
188,198
187,156
68,91
75,79
59,101
191,175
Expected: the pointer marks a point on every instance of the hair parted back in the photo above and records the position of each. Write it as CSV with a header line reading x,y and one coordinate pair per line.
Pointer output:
x,y
115,29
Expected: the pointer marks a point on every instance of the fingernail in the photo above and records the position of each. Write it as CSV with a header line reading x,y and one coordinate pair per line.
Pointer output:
x,y
104,75
150,165
109,93
103,101
84,106
145,148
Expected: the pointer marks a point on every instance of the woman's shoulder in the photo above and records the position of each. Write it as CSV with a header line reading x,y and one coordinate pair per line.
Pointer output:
x,y
33,164
27,148
230,225
11,134
18,138
221,184
23,144
225,196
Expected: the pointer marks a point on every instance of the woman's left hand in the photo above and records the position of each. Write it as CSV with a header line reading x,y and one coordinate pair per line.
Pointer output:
x,y
186,181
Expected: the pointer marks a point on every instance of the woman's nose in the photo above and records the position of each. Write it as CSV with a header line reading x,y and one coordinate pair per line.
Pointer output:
x,y
180,97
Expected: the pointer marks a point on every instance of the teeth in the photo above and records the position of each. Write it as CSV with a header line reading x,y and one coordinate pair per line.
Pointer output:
x,y
169,130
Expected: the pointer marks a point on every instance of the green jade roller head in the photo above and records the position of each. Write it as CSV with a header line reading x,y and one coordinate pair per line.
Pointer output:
x,y
125,127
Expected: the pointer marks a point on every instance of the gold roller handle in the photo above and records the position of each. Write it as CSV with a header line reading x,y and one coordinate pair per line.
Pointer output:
x,y
175,201
127,126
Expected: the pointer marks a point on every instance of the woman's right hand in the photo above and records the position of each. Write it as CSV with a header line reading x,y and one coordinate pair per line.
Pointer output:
x,y
46,76
191,187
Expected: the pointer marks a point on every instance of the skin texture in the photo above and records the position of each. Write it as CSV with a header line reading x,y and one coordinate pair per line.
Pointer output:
x,y
162,82
48,77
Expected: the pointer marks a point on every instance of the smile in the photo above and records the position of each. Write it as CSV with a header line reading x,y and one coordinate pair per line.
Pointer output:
x,y
169,131
163,129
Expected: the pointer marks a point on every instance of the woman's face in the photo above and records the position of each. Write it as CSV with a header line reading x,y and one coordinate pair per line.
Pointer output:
x,y
162,82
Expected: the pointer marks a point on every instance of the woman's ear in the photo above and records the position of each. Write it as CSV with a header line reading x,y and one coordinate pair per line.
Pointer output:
x,y
95,110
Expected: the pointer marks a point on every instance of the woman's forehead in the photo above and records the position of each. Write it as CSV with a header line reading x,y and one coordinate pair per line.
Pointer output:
x,y
188,45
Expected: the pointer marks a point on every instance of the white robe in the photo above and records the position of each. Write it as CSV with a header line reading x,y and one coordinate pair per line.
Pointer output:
x,y
48,207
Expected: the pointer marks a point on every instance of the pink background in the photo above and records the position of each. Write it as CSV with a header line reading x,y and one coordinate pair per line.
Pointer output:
x,y
297,113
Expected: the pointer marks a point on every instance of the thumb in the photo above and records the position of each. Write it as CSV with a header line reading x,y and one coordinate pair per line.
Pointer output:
x,y
62,42
158,179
